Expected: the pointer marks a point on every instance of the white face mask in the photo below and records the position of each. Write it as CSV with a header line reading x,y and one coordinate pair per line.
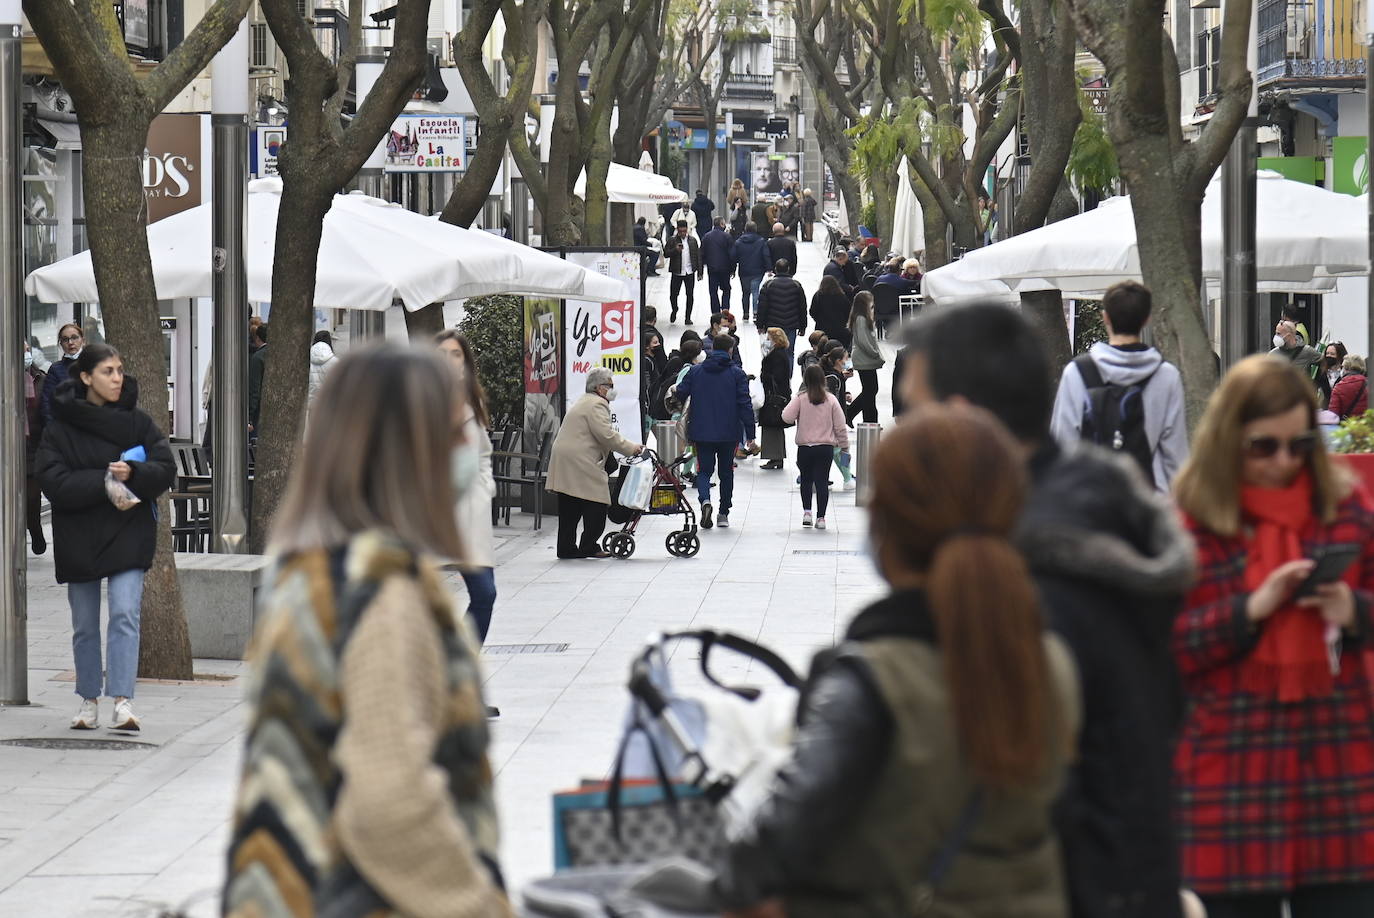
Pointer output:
x,y
463,467
28,359
610,394
1278,341
767,347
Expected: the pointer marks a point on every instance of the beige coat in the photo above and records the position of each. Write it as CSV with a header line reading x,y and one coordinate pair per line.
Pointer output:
x,y
474,508
577,464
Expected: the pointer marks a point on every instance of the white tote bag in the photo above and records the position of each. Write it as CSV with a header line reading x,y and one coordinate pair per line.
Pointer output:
x,y
637,486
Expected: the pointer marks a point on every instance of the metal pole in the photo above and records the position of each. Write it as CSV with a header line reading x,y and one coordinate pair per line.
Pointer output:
x,y
519,210
14,649
229,418
866,438
1239,302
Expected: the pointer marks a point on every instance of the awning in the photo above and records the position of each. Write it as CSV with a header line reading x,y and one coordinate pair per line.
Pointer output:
x,y
67,134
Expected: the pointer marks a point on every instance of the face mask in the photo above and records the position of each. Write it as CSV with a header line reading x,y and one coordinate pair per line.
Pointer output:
x,y
1278,341
610,394
849,364
28,359
767,347
463,463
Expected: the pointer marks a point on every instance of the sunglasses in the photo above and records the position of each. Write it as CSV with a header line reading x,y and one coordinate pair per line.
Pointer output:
x,y
1299,447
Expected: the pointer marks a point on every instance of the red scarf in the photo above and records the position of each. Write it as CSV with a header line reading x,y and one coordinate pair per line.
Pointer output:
x,y
1290,660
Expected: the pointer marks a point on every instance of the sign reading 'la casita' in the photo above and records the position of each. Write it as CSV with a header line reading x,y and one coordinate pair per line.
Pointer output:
x,y
427,143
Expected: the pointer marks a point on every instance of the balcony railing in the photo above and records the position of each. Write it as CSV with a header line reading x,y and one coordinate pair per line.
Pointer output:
x,y
784,50
1310,41
758,86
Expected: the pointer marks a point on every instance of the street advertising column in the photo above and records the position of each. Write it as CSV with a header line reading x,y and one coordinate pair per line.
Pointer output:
x,y
607,335
543,370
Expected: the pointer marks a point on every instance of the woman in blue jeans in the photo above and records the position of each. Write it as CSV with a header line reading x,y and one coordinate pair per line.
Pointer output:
x,y
96,434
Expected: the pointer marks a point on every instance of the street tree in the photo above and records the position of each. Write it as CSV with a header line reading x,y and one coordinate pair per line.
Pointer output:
x,y
1166,173
320,157
115,105
499,114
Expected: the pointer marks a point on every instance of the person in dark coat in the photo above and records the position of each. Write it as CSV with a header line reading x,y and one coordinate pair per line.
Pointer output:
x,y
808,215
1112,564
721,410
647,257
739,218
684,267
789,215
761,216
718,253
752,258
95,425
781,248
1350,395
703,207
775,373
71,339
33,435
782,302
840,268
257,369
830,310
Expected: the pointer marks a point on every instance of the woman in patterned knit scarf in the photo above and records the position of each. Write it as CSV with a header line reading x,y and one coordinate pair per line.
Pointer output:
x,y
366,788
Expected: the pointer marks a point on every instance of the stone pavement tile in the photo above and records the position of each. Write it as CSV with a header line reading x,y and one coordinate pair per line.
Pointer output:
x,y
78,895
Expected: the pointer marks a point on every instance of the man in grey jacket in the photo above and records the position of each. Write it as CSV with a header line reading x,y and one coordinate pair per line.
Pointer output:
x,y
1288,343
1124,360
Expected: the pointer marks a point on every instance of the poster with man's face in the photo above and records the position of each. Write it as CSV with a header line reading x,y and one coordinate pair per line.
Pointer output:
x,y
767,180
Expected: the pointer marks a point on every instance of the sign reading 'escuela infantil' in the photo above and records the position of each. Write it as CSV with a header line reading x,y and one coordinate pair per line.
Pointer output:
x,y
427,143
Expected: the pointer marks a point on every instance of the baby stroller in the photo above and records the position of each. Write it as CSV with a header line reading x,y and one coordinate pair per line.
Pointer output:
x,y
667,496
720,738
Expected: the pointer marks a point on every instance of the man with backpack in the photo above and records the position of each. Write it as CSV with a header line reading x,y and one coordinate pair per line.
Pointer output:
x,y
1123,395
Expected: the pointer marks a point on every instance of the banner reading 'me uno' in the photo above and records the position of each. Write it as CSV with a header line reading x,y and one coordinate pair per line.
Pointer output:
x,y
607,335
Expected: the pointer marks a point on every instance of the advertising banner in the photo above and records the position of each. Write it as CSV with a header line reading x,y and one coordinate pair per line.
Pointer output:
x,y
1350,163
267,149
543,369
770,172
427,143
607,335
174,162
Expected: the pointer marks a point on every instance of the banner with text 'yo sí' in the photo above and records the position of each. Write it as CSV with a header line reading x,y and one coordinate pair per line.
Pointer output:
x,y
607,335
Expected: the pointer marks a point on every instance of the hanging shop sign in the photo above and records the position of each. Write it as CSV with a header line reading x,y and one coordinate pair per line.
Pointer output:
x,y
265,152
173,164
427,143
136,24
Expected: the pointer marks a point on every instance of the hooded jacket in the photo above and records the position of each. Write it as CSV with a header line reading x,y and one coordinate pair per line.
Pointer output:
x,y
92,539
751,251
1113,564
721,406
1166,424
782,303
322,358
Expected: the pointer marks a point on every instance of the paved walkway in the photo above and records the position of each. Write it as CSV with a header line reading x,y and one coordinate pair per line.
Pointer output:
x,y
141,828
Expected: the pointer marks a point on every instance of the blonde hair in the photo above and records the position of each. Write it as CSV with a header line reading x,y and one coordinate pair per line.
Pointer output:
x,y
377,455
778,337
1262,386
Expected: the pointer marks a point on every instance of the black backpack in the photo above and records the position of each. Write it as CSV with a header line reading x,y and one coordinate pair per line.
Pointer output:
x,y
1114,415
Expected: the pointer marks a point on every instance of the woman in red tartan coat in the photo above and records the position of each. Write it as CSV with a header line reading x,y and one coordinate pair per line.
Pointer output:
x,y
1275,765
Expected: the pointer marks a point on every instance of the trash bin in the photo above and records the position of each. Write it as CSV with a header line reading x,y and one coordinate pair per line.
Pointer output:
x,y
668,443
865,448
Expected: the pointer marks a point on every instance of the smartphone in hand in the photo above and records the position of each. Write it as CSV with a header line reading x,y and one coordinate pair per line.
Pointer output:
x,y
1331,566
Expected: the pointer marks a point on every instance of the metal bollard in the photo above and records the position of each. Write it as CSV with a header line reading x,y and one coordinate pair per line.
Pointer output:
x,y
865,448
669,444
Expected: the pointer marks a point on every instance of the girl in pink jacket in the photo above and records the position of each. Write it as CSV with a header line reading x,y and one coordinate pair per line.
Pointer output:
x,y
820,429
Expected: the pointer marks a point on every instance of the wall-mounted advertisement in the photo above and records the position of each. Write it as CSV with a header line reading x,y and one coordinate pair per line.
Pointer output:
x,y
770,173
268,147
607,335
543,370
427,143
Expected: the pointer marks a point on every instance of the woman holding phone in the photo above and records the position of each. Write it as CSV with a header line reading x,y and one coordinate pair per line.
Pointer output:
x,y
1275,762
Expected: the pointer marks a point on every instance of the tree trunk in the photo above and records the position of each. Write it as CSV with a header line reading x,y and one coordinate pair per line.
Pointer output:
x,y
1044,310
882,185
560,221
423,324
300,220
112,183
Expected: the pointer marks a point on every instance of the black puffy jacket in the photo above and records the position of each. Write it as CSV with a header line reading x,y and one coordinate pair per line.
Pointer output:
x,y
782,304
93,540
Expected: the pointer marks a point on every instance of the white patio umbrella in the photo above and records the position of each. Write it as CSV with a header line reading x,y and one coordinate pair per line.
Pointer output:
x,y
371,253
632,186
908,222
1305,237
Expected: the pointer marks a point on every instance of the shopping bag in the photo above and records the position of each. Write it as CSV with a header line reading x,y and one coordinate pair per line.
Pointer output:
x,y
756,393
637,483
619,821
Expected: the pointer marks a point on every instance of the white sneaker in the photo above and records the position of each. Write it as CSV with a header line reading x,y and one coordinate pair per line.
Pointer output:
x,y
820,522
850,485
88,718
124,717
806,517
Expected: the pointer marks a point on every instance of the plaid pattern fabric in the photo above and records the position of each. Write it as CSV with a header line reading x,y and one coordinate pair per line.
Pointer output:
x,y
1272,796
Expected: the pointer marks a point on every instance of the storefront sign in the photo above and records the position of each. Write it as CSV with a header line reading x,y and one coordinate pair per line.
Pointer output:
x,y
696,139
268,148
778,128
1350,163
172,165
427,143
